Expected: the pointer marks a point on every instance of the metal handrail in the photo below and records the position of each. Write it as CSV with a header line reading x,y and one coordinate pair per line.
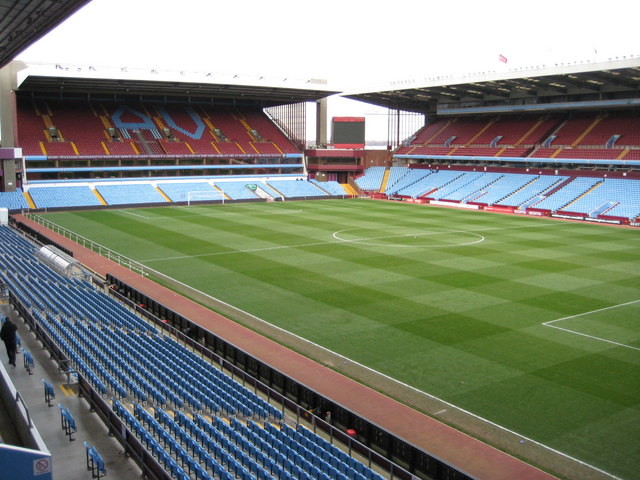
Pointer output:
x,y
26,409
91,245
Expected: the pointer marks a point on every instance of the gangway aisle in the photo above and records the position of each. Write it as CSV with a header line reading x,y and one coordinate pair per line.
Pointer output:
x,y
68,457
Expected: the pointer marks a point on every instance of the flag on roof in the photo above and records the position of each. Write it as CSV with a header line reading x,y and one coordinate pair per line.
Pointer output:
x,y
502,58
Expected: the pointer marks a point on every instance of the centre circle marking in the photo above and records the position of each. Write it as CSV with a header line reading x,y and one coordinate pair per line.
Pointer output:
x,y
368,241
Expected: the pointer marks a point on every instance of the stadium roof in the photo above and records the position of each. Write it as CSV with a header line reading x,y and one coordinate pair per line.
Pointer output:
x,y
613,79
22,22
128,81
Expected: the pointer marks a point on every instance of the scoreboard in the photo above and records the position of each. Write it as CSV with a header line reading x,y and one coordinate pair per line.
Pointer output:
x,y
347,132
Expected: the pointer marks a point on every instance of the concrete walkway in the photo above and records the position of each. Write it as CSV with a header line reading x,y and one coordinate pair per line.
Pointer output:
x,y
68,457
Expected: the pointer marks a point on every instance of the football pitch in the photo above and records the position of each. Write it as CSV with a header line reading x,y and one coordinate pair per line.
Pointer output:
x,y
530,323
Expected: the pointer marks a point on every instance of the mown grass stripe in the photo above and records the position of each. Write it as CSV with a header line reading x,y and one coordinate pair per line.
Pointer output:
x,y
431,318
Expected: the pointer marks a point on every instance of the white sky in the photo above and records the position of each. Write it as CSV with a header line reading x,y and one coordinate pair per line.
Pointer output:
x,y
345,40
349,42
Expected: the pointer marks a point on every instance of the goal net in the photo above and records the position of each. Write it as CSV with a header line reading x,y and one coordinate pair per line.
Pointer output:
x,y
202,196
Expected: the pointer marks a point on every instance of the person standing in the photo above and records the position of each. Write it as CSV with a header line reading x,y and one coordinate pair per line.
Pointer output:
x,y
8,336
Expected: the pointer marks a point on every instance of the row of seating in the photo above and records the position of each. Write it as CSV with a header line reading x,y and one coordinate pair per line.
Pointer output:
x,y
70,196
532,190
568,193
296,189
245,451
371,179
137,366
183,192
13,201
588,195
426,184
128,194
158,146
505,186
578,130
72,298
175,445
48,197
59,302
82,129
151,444
330,187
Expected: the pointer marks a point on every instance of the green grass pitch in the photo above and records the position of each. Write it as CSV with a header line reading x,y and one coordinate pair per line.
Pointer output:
x,y
531,323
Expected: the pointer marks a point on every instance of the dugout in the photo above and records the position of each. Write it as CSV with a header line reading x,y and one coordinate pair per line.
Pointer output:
x,y
61,262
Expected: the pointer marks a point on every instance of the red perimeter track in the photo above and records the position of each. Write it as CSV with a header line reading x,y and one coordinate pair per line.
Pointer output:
x,y
473,457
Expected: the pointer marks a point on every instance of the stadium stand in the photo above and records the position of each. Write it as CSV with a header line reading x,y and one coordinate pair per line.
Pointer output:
x,y
237,190
129,194
122,147
13,200
175,147
573,129
149,374
615,197
63,196
331,187
582,136
179,191
505,186
462,180
102,128
59,149
395,175
371,180
538,187
567,194
268,131
296,189
472,190
140,191
429,184
401,178
192,446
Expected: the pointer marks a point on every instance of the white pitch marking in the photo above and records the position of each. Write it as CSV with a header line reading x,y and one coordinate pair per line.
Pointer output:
x,y
261,249
135,214
611,307
575,332
444,402
232,252
340,240
365,241
410,387
276,211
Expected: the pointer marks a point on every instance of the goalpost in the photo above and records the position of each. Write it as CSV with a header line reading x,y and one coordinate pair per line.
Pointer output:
x,y
205,196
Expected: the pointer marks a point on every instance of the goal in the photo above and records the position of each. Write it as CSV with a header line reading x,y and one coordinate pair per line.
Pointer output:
x,y
202,196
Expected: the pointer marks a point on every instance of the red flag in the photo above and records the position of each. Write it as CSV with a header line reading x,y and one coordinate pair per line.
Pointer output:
x,y
502,58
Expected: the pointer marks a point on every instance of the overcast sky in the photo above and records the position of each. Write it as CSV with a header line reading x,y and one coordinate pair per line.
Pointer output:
x,y
352,43
343,40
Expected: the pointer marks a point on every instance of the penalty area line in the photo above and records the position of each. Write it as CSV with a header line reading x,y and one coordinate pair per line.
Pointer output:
x,y
593,337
